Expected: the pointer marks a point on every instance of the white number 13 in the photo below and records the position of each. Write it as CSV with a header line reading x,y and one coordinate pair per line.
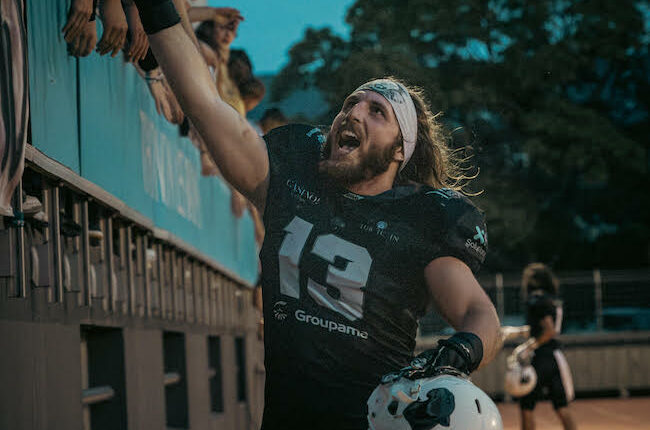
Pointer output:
x,y
348,282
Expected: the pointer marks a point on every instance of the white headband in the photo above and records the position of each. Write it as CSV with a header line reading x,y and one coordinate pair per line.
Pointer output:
x,y
400,99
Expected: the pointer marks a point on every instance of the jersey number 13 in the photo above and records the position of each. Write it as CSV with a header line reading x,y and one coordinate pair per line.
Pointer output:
x,y
345,284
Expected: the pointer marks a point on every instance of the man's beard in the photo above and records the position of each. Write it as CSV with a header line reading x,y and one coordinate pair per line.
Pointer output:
x,y
374,163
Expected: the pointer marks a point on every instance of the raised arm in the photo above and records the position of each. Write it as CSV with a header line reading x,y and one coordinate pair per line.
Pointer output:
x,y
239,152
523,351
462,302
207,13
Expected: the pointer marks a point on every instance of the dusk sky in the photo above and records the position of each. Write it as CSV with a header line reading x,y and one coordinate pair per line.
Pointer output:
x,y
270,28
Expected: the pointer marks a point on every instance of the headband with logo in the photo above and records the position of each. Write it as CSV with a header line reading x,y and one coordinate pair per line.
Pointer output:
x,y
400,99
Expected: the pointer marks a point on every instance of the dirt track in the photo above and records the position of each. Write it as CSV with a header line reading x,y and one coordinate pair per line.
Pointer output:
x,y
597,414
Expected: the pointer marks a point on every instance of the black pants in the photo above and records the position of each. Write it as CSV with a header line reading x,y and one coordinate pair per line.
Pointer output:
x,y
553,380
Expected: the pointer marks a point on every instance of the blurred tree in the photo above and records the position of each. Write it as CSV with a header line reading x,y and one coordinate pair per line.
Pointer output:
x,y
551,97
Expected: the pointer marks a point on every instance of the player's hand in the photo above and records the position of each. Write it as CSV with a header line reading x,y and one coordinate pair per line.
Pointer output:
x,y
138,44
419,370
525,356
82,45
429,363
78,16
461,354
115,28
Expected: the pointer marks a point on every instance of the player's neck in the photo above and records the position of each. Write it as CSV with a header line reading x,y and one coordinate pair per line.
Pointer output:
x,y
374,186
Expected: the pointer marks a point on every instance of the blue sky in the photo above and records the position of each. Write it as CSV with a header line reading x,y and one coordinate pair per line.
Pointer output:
x,y
270,28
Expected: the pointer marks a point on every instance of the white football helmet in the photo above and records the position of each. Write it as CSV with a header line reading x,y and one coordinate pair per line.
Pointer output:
x,y
520,379
442,402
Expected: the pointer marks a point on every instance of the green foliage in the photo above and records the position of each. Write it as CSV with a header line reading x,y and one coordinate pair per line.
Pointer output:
x,y
552,96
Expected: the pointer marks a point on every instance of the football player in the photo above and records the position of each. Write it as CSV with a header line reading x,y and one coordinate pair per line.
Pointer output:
x,y
544,317
363,234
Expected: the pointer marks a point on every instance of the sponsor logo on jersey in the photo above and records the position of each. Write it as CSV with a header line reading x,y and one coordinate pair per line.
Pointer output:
x,y
380,229
470,244
352,196
301,192
319,134
445,193
280,310
331,326
480,235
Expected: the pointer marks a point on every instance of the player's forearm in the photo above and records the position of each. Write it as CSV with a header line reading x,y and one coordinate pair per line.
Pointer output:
x,y
182,9
185,69
508,332
548,331
546,336
482,320
232,142
238,151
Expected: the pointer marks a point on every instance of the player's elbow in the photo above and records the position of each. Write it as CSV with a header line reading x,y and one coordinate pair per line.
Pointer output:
x,y
488,314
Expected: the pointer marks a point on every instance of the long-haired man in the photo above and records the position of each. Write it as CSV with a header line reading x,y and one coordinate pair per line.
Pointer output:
x,y
364,232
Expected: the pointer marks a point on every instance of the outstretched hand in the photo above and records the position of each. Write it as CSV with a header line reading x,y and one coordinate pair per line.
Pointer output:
x,y
84,42
78,16
115,28
138,44
166,103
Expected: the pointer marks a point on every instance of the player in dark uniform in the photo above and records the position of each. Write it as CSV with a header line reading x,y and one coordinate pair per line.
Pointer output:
x,y
343,279
544,317
362,236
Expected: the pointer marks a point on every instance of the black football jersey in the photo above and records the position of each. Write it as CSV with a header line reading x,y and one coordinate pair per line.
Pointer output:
x,y
539,306
343,282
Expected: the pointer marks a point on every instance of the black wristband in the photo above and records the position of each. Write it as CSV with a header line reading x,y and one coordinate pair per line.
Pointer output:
x,y
148,63
184,127
469,346
157,15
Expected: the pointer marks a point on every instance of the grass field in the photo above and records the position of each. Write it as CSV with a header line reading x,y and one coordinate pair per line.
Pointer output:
x,y
592,414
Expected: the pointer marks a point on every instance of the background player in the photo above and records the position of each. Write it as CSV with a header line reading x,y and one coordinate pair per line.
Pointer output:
x,y
544,317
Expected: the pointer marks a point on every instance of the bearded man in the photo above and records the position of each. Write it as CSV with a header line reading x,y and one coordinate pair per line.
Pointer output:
x,y
364,231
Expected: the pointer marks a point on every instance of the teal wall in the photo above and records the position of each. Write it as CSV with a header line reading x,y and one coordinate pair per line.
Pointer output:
x,y
95,116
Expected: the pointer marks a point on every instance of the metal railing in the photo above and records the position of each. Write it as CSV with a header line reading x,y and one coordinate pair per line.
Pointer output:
x,y
136,270
91,396
171,378
594,301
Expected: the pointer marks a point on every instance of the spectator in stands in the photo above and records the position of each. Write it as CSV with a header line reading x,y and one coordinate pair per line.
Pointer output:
x,y
544,317
240,69
272,118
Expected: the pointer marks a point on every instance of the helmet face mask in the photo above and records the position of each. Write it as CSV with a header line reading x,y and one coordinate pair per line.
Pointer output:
x,y
449,402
